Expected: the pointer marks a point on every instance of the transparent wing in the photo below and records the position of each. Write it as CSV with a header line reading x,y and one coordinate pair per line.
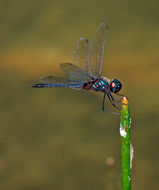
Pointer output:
x,y
51,82
58,80
96,51
75,72
79,57
78,70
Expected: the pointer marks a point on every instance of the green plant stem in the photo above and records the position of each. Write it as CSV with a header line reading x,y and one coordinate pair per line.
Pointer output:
x,y
125,146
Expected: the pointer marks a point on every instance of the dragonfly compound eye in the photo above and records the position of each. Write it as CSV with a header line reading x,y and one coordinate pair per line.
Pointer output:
x,y
115,85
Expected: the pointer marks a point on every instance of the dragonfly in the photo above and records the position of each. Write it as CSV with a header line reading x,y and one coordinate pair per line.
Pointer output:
x,y
86,69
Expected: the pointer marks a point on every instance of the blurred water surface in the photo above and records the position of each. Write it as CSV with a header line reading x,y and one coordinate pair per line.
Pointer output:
x,y
60,138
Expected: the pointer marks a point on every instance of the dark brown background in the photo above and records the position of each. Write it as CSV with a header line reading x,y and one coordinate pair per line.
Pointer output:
x,y
60,138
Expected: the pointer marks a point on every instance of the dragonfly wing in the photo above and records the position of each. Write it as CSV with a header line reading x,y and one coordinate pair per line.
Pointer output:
x,y
75,72
51,81
96,51
58,80
79,69
79,57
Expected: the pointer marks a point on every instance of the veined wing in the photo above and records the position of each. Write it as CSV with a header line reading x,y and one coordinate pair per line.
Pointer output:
x,y
51,81
75,72
79,69
96,51
79,57
58,80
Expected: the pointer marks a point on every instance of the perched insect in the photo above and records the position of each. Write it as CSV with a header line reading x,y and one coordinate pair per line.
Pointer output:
x,y
85,69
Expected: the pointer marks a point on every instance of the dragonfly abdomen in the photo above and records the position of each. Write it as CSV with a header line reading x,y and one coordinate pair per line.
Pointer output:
x,y
45,85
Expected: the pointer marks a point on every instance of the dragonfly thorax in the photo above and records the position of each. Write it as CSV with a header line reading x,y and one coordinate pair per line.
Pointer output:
x,y
100,85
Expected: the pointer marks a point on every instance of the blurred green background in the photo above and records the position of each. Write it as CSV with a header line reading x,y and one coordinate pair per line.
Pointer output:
x,y
60,138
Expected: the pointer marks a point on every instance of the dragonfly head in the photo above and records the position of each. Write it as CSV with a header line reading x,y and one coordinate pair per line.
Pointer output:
x,y
115,85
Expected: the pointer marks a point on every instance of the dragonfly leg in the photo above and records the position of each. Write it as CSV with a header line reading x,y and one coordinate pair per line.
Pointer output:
x,y
117,113
112,97
119,94
111,112
103,101
119,99
111,100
